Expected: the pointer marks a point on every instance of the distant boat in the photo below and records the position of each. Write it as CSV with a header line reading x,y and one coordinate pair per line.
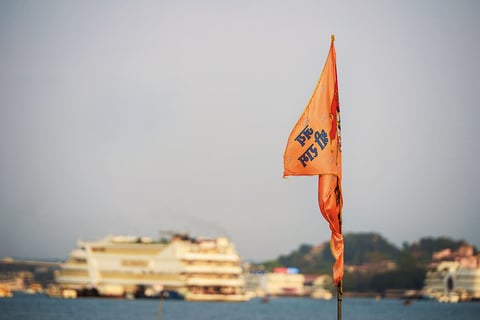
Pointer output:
x,y
180,267
149,293
450,297
320,288
5,292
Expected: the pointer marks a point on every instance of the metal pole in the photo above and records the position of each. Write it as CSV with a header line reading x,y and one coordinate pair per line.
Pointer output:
x,y
160,305
340,285
339,300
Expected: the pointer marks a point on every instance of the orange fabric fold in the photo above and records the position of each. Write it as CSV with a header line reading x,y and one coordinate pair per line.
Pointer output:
x,y
330,202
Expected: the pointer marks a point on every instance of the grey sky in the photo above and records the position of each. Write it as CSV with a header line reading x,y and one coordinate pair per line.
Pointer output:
x,y
130,117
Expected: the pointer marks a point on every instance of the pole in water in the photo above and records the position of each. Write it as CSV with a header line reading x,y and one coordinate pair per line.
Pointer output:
x,y
339,300
160,306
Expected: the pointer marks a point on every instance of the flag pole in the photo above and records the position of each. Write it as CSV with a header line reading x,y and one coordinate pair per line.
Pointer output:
x,y
340,284
307,159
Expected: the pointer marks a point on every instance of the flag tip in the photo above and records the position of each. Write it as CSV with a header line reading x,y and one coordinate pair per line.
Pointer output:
x,y
333,37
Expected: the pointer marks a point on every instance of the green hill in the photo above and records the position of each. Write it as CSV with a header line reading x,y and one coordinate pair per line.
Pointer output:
x,y
360,248
374,263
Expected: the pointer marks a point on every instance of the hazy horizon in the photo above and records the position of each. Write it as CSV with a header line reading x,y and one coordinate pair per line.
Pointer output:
x,y
398,246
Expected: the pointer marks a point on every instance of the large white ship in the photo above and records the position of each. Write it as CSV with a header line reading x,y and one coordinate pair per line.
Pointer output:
x,y
194,269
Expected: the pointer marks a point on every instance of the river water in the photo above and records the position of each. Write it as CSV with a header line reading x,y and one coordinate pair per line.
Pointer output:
x,y
40,307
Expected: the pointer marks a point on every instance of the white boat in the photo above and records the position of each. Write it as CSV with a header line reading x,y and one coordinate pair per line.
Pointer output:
x,y
449,297
321,288
119,266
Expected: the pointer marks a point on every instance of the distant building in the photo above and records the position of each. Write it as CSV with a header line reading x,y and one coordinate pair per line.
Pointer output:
x,y
288,282
453,275
283,284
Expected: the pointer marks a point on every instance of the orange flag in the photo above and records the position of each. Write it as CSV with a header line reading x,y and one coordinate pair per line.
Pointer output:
x,y
314,148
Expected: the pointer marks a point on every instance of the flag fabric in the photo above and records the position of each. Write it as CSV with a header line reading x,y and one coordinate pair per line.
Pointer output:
x,y
314,148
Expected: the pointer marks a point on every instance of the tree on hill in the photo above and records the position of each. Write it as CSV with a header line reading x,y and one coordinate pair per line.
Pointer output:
x,y
423,249
308,259
363,248
360,248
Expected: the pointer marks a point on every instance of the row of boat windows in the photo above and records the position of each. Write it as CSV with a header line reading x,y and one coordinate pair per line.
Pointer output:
x,y
153,251
215,290
212,276
135,263
113,274
136,251
211,263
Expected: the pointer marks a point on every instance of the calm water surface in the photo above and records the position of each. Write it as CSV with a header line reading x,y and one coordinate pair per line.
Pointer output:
x,y
40,307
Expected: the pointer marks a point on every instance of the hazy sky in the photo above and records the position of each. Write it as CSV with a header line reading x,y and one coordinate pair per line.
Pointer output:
x,y
132,117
